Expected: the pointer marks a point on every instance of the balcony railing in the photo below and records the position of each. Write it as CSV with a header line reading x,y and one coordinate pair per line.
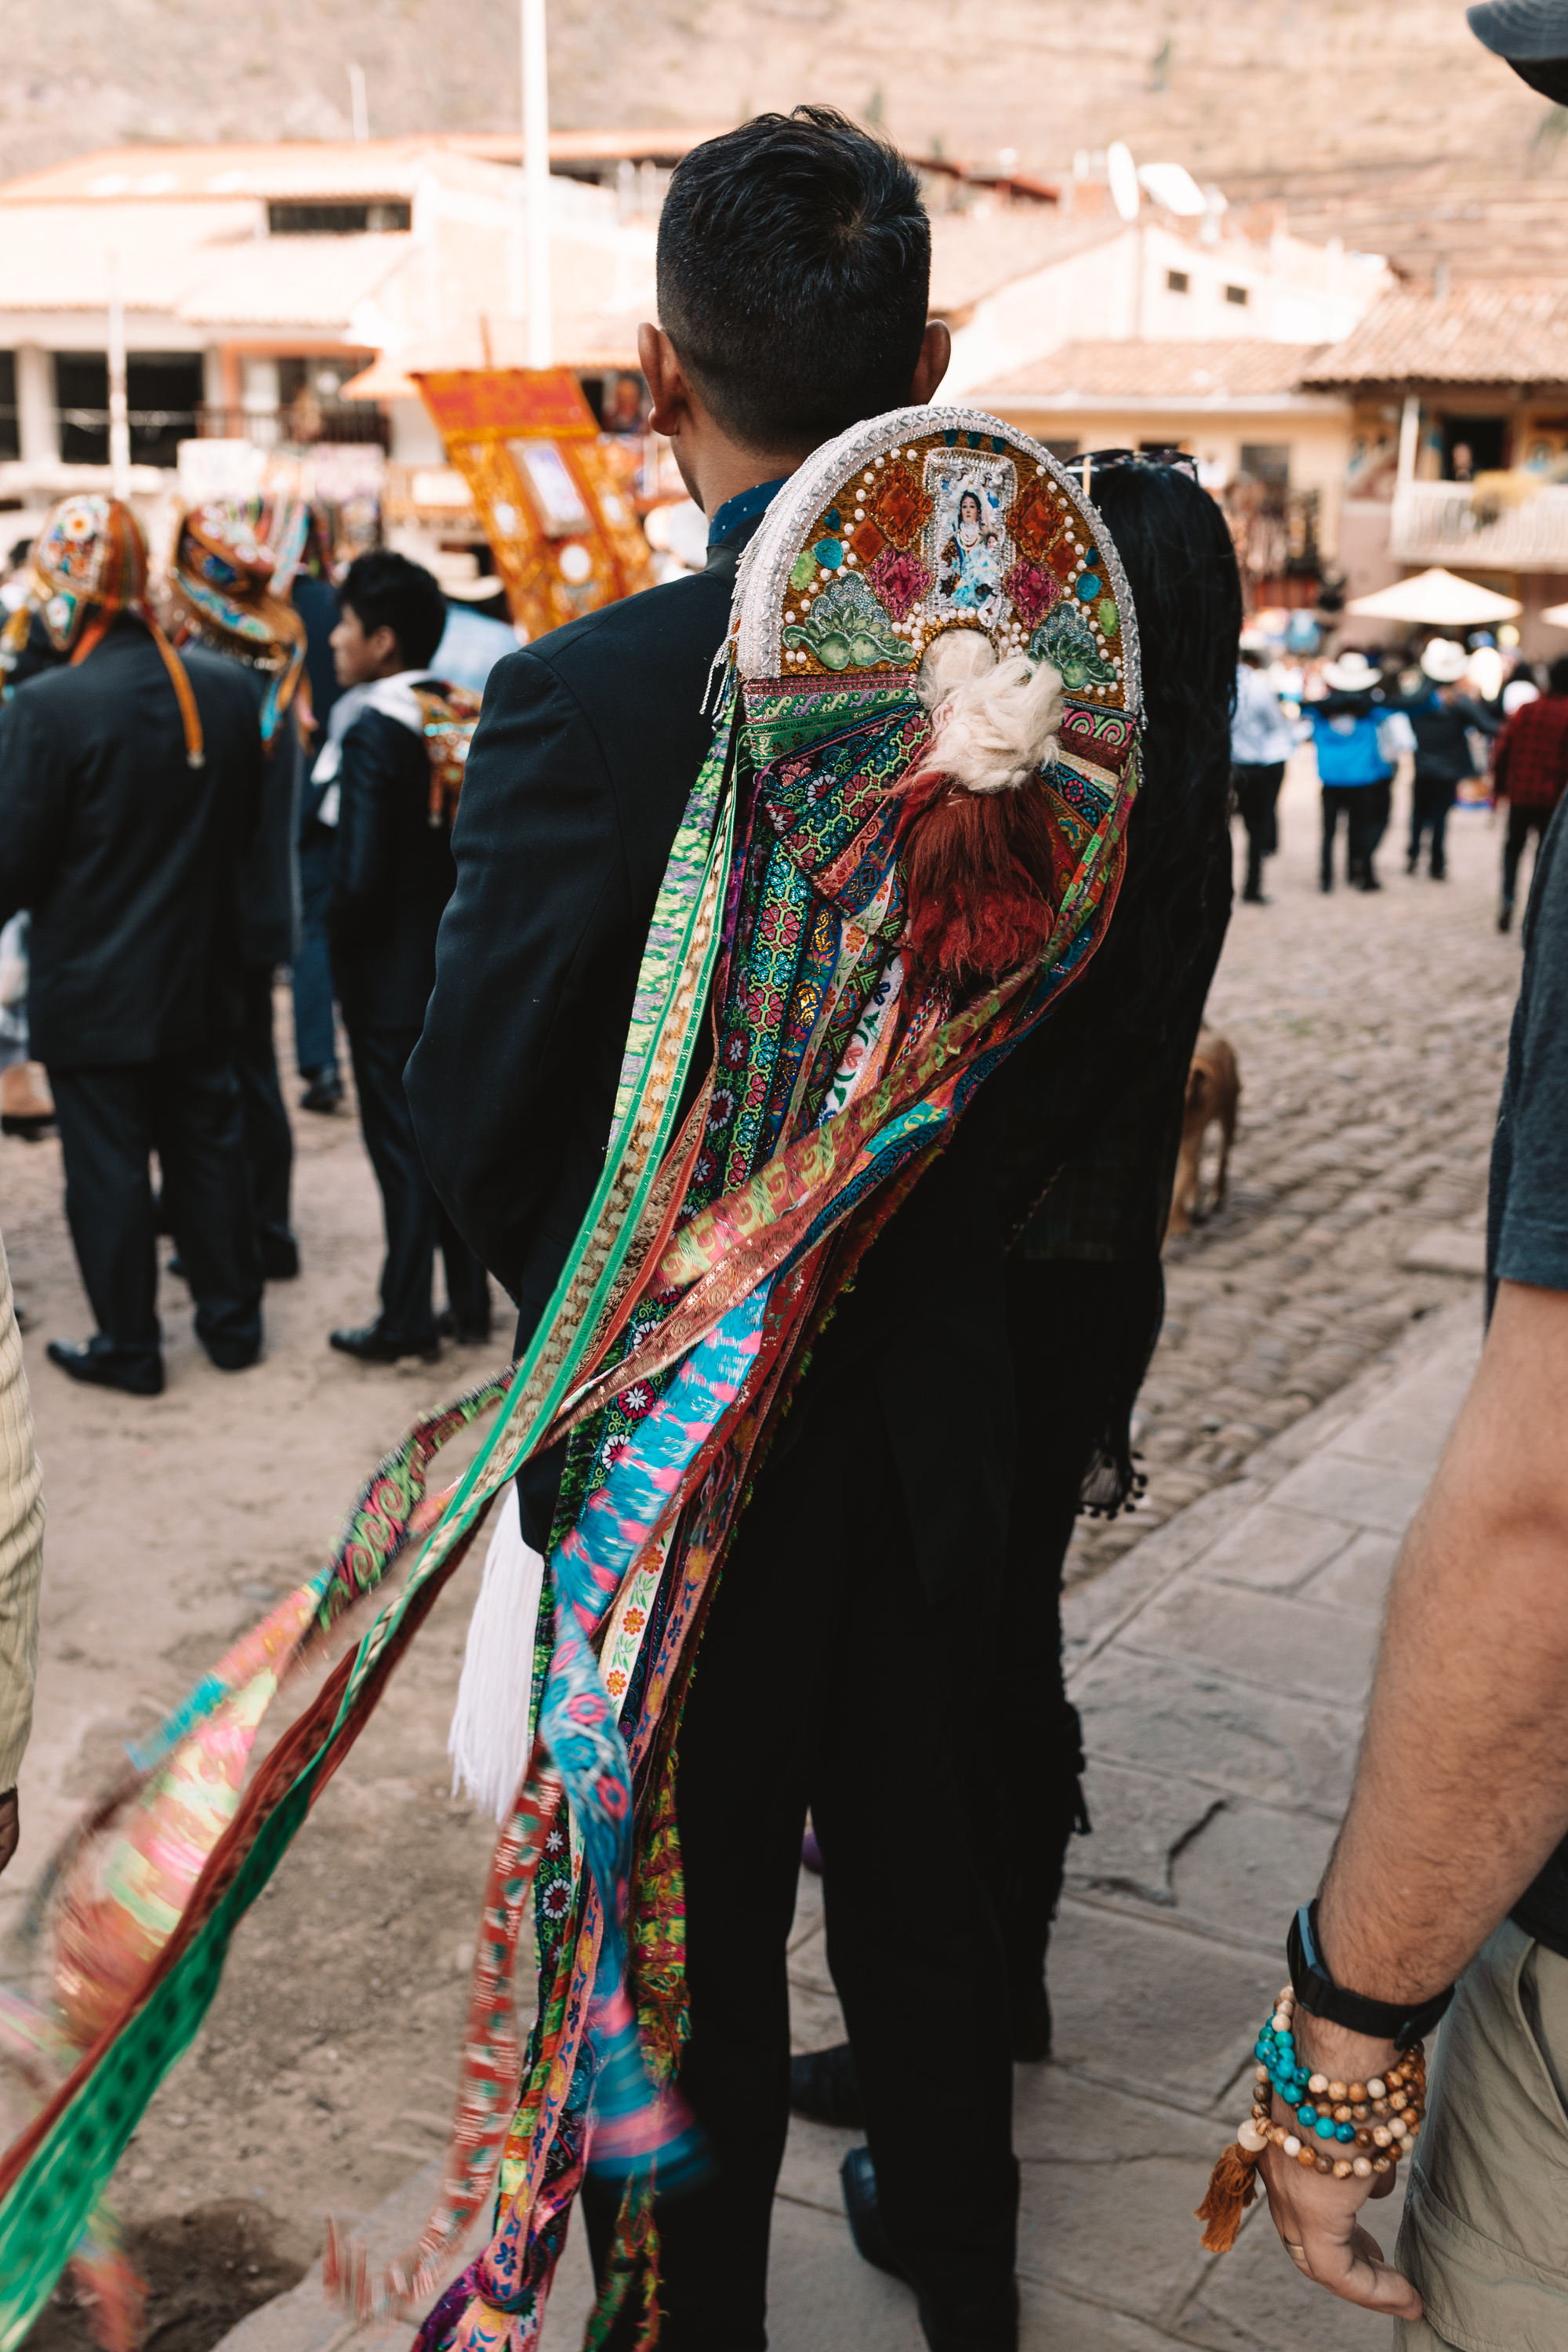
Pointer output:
x,y
1510,523
300,426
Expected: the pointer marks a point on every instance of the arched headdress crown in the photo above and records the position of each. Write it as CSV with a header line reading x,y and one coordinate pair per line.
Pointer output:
x,y
925,521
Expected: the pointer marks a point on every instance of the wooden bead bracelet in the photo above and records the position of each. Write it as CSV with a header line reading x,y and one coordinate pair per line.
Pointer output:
x,y
1348,2130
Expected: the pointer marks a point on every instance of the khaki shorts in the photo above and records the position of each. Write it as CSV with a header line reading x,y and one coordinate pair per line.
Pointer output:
x,y
1485,2238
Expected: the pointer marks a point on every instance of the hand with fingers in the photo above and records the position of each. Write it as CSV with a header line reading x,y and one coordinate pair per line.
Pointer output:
x,y
1318,2220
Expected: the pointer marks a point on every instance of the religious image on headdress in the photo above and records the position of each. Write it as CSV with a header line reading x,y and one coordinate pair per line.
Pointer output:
x,y
968,546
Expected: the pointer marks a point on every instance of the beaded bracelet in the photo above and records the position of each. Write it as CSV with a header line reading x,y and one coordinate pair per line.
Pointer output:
x,y
1346,2129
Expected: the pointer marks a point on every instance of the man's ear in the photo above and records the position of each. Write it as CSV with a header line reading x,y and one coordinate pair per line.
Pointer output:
x,y
667,384
383,646
936,351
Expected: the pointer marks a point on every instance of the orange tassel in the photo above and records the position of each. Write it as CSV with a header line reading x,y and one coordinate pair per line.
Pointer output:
x,y
1233,2185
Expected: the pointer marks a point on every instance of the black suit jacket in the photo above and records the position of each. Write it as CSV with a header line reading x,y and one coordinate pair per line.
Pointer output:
x,y
392,876
270,874
585,752
126,854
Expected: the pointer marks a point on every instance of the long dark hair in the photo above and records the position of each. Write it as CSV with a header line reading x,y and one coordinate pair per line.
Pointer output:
x,y
1133,1006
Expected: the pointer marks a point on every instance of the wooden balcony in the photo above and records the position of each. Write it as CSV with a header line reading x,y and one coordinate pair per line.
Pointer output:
x,y
303,425
1504,522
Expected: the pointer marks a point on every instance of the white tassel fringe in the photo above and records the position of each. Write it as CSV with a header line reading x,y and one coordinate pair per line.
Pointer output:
x,y
489,1741
995,721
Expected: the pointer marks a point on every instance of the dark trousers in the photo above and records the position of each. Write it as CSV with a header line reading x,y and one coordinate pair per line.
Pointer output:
x,y
825,1678
1431,799
1256,790
315,1029
186,1108
1366,810
268,1138
1522,823
416,1221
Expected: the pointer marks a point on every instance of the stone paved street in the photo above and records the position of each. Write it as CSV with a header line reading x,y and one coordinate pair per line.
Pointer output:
x,y
1221,1666
1371,1033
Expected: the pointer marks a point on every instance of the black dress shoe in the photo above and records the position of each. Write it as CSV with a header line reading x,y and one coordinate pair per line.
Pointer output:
x,y
466,1335
233,1355
324,1092
279,1258
370,1345
105,1367
988,2325
823,2084
858,2177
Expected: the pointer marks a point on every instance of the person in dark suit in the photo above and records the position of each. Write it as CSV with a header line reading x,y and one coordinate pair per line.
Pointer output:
x,y
391,875
794,269
315,1015
130,785
220,586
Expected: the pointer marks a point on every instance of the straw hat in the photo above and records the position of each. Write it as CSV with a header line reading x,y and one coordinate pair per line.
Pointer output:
x,y
1352,673
1445,662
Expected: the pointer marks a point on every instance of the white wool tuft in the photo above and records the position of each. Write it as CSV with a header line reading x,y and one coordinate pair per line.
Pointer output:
x,y
491,1734
995,721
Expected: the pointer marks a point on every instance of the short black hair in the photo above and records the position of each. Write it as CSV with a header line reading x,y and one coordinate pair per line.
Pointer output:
x,y
388,591
1557,675
794,276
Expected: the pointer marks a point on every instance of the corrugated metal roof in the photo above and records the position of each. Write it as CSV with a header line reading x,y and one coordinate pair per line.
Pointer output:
x,y
1511,331
1241,369
318,169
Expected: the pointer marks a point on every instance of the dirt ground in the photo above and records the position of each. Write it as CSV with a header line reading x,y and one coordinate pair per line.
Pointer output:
x,y
324,2075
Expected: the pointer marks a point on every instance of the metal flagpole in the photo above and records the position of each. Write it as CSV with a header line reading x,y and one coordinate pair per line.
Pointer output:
x,y
119,413
536,175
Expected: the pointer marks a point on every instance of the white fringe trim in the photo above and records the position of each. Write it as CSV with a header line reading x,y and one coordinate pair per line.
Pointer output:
x,y
491,1734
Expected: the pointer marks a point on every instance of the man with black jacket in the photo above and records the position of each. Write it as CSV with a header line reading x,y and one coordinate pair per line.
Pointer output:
x,y
128,784
794,268
392,876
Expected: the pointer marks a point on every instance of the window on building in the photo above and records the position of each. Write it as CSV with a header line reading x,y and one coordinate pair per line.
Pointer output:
x,y
337,220
1266,461
1236,294
81,399
1177,281
10,434
162,393
1472,445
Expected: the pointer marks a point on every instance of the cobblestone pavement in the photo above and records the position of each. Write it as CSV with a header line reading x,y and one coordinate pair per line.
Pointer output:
x,y
1371,1033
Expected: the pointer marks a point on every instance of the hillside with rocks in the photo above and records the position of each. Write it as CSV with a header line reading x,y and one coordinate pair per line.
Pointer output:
x,y
1381,120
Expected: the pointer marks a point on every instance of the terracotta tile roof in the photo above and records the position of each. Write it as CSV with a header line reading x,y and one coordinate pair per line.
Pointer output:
x,y
1182,371
1509,331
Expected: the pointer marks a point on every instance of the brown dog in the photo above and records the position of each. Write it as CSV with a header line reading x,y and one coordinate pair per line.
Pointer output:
x,y
1213,1089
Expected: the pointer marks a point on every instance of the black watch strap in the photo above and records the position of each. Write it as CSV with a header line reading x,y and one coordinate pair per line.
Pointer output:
x,y
1379,2021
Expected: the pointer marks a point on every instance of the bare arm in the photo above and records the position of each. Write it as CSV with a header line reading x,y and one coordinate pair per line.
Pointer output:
x,y
1462,1788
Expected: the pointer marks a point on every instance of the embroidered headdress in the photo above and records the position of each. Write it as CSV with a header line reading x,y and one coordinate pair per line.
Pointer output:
x,y
89,564
229,585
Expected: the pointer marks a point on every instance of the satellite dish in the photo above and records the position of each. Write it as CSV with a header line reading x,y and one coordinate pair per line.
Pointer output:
x,y
1123,175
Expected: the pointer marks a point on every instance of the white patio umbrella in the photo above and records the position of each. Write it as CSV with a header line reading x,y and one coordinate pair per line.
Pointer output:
x,y
1439,600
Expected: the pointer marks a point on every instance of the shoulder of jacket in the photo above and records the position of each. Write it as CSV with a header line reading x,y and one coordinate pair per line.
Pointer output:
x,y
698,604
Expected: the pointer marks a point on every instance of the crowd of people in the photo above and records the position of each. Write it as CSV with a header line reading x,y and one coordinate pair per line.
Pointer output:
x,y
1469,717
932,1231
267,785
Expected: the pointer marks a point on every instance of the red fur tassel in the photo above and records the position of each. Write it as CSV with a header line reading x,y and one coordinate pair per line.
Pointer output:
x,y
978,867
